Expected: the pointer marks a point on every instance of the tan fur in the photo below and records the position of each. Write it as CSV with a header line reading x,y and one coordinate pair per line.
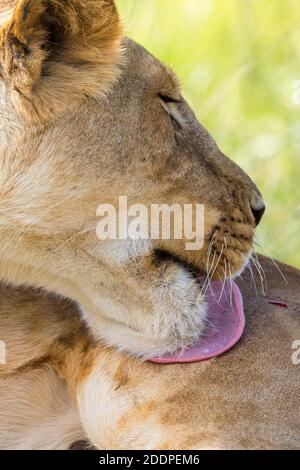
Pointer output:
x,y
82,123
247,399
61,41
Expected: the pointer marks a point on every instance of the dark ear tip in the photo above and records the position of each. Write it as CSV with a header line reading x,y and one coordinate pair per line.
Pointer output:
x,y
19,48
26,10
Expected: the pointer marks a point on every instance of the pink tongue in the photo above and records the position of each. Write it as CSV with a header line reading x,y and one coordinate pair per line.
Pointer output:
x,y
225,326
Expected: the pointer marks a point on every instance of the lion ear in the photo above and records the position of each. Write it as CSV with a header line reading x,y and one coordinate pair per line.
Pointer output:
x,y
73,45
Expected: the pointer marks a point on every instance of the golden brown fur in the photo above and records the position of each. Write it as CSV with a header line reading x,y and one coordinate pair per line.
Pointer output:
x,y
86,117
82,60
58,379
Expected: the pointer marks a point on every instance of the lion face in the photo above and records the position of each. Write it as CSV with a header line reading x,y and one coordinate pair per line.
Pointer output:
x,y
88,117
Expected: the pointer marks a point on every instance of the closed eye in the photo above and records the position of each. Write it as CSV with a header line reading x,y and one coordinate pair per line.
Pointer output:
x,y
167,99
171,105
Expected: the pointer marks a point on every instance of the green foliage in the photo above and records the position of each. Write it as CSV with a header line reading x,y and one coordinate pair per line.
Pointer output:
x,y
237,61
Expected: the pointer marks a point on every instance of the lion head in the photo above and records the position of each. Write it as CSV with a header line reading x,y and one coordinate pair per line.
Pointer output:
x,y
89,116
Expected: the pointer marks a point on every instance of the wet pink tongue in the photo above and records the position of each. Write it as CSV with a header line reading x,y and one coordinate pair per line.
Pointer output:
x,y
225,326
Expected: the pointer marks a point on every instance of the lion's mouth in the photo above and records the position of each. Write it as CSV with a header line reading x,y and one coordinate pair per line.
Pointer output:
x,y
164,256
225,326
221,260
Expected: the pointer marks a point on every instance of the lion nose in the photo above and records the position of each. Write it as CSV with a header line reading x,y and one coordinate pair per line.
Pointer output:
x,y
258,209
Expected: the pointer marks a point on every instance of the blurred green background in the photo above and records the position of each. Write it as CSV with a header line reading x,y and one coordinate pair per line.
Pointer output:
x,y
239,66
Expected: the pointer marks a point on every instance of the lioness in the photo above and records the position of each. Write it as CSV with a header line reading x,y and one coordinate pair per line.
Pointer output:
x,y
87,116
60,386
